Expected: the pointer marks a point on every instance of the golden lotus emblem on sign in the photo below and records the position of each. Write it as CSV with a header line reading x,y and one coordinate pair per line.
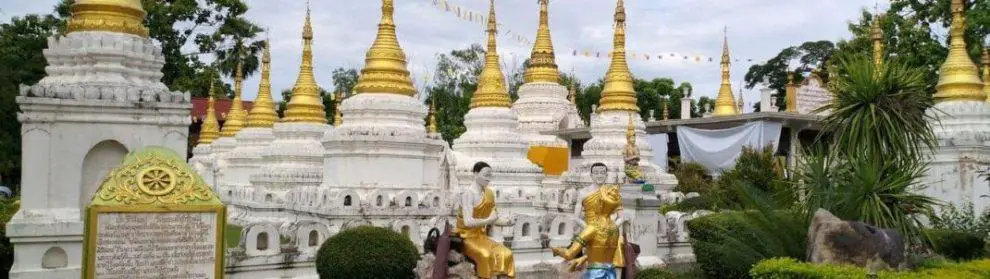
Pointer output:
x,y
156,181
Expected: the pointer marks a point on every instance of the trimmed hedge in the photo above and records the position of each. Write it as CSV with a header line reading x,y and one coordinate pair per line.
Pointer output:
x,y
689,205
655,273
367,252
957,245
787,268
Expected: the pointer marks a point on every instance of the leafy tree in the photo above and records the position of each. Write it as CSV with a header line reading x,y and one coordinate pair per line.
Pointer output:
x,y
344,80
177,23
21,62
773,74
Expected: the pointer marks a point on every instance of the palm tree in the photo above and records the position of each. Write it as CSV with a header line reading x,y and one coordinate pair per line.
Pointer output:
x,y
880,135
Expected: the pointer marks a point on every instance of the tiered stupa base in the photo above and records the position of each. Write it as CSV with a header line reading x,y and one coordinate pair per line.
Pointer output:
x,y
542,107
492,137
963,133
382,142
294,159
245,159
607,146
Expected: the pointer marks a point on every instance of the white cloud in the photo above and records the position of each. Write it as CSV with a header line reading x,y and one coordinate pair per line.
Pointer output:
x,y
758,29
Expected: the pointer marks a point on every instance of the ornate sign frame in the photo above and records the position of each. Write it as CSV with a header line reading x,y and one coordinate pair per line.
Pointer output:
x,y
152,180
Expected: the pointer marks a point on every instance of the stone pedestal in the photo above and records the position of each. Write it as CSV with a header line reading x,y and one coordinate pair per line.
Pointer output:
x,y
641,208
686,108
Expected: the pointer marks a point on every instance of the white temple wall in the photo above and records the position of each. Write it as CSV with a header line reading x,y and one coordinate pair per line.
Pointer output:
x,y
953,176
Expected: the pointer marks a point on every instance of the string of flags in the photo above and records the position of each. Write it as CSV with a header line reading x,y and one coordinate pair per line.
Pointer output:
x,y
670,56
479,18
482,18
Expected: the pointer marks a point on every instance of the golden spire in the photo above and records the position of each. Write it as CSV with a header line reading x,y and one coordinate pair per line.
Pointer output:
x,y
236,117
876,34
119,16
491,83
725,104
305,105
263,114
618,93
338,117
542,63
986,73
210,129
790,93
385,64
959,77
432,125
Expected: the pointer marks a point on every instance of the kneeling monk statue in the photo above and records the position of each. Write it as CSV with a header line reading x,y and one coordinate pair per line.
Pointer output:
x,y
599,241
491,259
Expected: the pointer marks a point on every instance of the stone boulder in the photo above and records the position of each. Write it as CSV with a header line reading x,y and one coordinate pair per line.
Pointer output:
x,y
834,241
457,266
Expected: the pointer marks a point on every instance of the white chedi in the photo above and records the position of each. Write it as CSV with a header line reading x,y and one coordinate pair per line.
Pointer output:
x,y
963,133
492,136
103,66
543,107
607,146
380,132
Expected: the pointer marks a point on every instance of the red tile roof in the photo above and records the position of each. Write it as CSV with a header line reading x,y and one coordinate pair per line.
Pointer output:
x,y
221,106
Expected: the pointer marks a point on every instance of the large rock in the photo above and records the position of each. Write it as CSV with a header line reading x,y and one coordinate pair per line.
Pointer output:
x,y
834,241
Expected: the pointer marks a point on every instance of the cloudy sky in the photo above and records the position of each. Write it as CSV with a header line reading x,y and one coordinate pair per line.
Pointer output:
x,y
344,29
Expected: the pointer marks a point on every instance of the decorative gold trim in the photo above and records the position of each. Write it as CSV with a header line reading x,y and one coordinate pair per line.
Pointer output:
x,y
152,180
118,18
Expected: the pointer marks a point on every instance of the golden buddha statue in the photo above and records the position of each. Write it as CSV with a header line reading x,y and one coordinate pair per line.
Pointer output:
x,y
634,174
490,258
600,240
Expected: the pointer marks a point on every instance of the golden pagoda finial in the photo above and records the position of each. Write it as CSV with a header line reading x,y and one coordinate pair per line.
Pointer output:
x,y
790,93
432,125
542,62
958,78
305,105
618,93
118,16
491,90
986,73
263,114
210,129
385,63
236,117
725,104
876,35
338,116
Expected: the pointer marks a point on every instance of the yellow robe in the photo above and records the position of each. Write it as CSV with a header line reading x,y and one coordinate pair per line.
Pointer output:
x,y
490,258
602,241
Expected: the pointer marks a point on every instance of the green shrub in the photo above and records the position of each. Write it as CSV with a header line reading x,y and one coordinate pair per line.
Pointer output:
x,y
367,252
963,219
727,245
691,177
689,205
655,273
8,207
956,245
787,268
754,167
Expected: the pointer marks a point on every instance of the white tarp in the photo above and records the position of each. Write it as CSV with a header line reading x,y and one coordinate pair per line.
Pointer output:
x,y
717,150
659,144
